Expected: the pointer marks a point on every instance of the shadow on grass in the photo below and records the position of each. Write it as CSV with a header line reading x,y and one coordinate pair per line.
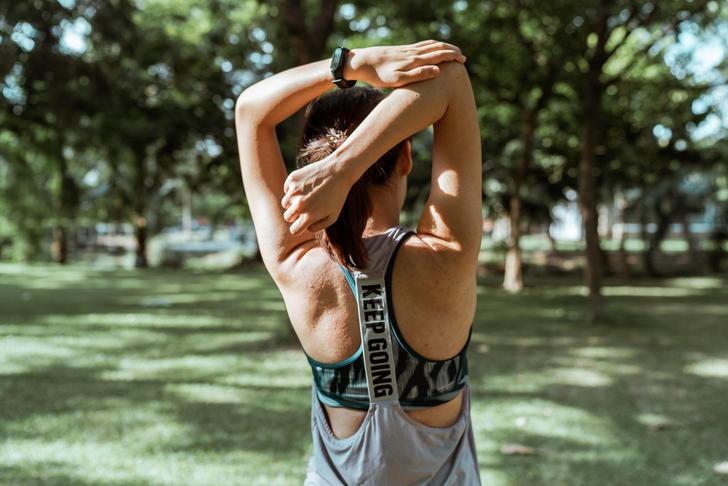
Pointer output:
x,y
633,375
638,399
252,422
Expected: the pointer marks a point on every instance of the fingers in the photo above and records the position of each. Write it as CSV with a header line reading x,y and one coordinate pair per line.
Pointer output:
x,y
291,187
424,42
437,57
436,46
292,210
300,225
320,225
420,73
286,201
288,188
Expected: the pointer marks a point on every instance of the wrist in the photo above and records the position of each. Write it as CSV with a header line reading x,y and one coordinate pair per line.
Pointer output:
x,y
345,166
353,64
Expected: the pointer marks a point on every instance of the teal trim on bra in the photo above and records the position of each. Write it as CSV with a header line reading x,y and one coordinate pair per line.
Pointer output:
x,y
349,278
338,364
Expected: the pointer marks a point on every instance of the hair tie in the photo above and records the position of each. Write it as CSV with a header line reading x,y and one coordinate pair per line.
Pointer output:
x,y
335,137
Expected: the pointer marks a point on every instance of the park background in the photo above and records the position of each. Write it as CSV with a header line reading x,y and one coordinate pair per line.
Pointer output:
x,y
142,341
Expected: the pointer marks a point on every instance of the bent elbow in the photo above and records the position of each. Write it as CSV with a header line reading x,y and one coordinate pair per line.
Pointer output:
x,y
453,71
244,106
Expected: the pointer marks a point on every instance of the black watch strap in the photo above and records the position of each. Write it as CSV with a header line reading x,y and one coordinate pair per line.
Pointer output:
x,y
338,61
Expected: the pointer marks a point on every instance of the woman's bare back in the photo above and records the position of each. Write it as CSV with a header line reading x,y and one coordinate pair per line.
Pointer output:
x,y
434,304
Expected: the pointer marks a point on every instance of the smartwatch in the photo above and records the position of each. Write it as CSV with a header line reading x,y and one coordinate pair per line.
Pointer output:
x,y
338,60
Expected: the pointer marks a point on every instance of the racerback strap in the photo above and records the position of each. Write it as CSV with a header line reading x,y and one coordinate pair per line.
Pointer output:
x,y
371,298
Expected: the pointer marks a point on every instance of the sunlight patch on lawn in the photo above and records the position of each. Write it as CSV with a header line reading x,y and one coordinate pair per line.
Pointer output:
x,y
654,421
536,341
491,476
115,319
696,282
40,274
606,367
19,354
682,310
534,421
103,462
713,368
537,381
208,393
221,343
187,367
166,299
604,352
638,291
99,340
275,369
580,377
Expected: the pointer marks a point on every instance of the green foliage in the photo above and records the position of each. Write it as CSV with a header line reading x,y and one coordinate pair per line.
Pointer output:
x,y
109,110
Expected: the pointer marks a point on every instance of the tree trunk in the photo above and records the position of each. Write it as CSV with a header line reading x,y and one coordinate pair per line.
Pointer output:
x,y
140,234
140,202
308,43
693,249
624,257
513,279
664,217
66,201
186,194
622,237
717,254
646,239
59,245
588,198
553,249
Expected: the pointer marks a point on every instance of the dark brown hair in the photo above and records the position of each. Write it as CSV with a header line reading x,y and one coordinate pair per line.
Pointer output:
x,y
329,120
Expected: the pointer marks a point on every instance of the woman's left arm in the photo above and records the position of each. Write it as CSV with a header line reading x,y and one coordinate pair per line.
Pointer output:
x,y
265,104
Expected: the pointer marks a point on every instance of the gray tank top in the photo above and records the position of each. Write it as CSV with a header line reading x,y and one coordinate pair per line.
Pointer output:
x,y
389,448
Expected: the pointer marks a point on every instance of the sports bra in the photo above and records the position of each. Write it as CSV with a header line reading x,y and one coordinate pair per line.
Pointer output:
x,y
416,382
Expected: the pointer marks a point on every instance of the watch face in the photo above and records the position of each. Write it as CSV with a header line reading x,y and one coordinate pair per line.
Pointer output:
x,y
336,59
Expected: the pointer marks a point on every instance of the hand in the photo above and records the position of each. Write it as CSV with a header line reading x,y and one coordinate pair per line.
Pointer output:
x,y
314,196
394,66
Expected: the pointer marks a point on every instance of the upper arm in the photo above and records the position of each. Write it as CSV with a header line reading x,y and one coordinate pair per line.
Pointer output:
x,y
264,173
452,214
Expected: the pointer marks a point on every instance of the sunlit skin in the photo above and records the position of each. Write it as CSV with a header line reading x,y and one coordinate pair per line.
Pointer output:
x,y
434,284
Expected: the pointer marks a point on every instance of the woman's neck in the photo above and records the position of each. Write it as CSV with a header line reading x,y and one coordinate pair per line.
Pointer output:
x,y
385,212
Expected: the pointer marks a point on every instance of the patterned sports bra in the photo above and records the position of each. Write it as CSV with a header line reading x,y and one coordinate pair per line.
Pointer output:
x,y
384,367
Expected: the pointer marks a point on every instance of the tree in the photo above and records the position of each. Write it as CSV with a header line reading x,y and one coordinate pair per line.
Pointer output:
x,y
44,106
612,37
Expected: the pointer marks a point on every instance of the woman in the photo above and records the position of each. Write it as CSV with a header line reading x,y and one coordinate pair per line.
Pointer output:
x,y
390,401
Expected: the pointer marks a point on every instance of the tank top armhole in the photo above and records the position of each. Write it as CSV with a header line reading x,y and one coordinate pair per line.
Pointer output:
x,y
393,320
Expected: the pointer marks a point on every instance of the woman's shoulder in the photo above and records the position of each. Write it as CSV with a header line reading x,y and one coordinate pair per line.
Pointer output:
x,y
436,255
434,295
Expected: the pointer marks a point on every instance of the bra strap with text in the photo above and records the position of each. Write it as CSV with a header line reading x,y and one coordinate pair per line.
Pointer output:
x,y
376,338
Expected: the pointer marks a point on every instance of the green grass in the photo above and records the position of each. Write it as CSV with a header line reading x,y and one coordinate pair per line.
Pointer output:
x,y
177,378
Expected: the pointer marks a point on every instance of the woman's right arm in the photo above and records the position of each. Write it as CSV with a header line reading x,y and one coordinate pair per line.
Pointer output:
x,y
452,218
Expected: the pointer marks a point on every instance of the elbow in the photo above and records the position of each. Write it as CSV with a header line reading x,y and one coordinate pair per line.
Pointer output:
x,y
244,106
249,109
453,71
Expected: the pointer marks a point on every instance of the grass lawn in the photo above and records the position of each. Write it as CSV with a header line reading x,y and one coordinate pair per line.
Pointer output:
x,y
184,378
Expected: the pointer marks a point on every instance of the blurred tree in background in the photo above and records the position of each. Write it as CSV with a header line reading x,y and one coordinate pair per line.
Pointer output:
x,y
121,112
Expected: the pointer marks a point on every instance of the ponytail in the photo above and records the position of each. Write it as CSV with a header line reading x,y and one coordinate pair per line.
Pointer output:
x,y
329,121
